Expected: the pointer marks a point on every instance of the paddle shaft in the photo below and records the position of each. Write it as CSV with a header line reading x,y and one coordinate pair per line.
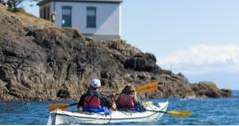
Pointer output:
x,y
73,104
165,112
178,114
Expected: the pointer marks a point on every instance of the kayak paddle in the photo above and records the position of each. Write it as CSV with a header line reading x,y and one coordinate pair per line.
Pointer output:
x,y
147,88
178,114
174,113
60,106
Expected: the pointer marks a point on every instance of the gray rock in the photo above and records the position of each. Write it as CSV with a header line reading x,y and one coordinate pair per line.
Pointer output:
x,y
41,63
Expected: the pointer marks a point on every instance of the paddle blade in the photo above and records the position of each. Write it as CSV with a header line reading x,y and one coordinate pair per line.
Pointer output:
x,y
147,104
60,106
180,114
146,88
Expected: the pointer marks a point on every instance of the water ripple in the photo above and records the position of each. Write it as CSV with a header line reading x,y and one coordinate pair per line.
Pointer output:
x,y
205,112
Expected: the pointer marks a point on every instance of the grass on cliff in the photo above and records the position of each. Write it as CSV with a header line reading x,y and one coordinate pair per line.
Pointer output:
x,y
26,18
30,19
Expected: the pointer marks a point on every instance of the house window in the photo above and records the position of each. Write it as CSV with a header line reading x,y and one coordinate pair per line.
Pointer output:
x,y
91,17
41,13
45,13
48,13
66,16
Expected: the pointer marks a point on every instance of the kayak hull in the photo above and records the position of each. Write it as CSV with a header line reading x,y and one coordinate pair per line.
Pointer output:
x,y
117,117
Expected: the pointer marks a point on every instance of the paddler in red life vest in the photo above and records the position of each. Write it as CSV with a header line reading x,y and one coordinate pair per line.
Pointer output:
x,y
93,101
128,100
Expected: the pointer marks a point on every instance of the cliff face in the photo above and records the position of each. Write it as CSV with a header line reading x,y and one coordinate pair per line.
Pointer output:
x,y
37,60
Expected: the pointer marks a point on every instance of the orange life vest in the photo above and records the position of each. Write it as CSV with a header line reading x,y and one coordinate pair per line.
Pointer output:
x,y
126,101
92,102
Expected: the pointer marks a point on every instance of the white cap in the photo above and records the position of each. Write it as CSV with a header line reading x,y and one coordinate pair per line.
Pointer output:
x,y
95,83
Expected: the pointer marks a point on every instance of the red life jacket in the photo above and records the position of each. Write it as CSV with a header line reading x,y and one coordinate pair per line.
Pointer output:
x,y
126,101
92,102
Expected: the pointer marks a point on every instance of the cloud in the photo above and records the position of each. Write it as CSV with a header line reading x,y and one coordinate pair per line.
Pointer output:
x,y
203,58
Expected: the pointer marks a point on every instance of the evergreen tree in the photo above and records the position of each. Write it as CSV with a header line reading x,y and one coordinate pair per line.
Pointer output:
x,y
13,4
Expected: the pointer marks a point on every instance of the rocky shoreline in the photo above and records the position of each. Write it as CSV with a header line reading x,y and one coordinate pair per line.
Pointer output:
x,y
37,60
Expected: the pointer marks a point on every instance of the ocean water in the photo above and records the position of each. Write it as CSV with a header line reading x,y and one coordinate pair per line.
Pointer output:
x,y
205,112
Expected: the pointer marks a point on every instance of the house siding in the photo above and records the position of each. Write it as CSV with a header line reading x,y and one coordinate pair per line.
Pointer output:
x,y
108,17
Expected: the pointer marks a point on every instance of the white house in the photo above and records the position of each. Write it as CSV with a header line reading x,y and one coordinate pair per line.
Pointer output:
x,y
100,19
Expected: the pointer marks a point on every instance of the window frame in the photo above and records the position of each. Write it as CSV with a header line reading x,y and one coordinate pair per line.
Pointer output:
x,y
70,8
88,23
41,13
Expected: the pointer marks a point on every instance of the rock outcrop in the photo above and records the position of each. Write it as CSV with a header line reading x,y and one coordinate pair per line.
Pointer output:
x,y
40,62
209,89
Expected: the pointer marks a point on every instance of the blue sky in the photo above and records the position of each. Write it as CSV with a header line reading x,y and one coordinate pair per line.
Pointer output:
x,y
199,38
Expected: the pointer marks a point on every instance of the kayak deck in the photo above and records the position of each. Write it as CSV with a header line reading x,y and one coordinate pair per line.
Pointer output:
x,y
59,117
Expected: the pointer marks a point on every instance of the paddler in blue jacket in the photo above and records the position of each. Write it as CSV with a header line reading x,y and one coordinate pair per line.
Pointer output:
x,y
93,101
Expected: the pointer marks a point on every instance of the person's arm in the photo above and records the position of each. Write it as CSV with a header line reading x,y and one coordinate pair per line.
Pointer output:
x,y
112,100
105,102
81,102
139,104
135,97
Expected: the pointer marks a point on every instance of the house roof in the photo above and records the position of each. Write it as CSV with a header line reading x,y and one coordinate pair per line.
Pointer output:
x,y
42,2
